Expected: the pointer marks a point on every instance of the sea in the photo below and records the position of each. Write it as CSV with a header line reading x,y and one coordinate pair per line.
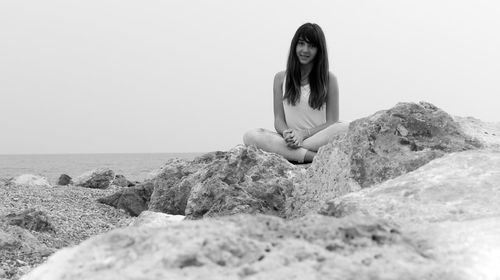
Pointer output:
x,y
135,167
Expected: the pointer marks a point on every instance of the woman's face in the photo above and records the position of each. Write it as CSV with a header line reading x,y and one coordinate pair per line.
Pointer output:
x,y
305,51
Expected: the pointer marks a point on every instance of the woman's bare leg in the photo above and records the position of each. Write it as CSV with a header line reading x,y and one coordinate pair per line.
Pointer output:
x,y
325,136
271,141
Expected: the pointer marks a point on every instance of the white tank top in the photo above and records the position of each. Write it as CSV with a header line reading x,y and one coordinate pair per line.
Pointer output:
x,y
302,116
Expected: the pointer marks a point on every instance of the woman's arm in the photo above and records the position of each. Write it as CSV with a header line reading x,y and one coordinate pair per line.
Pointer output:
x,y
332,110
279,113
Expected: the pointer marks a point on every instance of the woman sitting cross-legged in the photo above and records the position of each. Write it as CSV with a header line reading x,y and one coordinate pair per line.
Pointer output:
x,y
306,101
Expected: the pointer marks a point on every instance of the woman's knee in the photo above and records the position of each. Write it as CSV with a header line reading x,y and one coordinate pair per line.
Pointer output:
x,y
253,137
325,136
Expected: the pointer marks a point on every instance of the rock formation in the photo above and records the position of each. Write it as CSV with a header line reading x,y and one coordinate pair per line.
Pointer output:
x,y
30,219
452,202
64,180
382,146
457,187
250,247
407,193
30,180
121,181
242,180
486,132
97,179
134,200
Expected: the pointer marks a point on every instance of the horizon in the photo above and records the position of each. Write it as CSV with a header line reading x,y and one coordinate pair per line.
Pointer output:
x,y
127,77
129,153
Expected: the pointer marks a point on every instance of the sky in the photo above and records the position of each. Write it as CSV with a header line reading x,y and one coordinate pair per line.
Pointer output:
x,y
123,76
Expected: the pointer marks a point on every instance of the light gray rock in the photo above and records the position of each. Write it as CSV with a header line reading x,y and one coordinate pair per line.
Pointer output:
x,y
459,186
30,180
488,133
155,219
451,204
382,146
99,178
250,247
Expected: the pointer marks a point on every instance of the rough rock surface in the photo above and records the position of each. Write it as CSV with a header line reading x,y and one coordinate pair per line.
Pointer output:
x,y
249,247
382,146
459,186
487,133
134,200
241,180
169,195
452,202
96,179
64,180
30,219
30,180
121,181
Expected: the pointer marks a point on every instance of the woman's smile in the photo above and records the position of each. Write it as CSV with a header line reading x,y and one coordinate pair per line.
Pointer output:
x,y
305,51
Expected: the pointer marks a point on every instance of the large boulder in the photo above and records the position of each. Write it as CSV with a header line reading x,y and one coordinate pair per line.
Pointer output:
x,y
452,202
169,195
250,247
374,149
99,178
241,180
457,187
133,200
30,180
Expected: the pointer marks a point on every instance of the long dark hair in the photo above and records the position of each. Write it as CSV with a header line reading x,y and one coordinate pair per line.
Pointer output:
x,y
318,78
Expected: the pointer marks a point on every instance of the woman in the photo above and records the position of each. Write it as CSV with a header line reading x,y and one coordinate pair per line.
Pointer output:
x,y
306,101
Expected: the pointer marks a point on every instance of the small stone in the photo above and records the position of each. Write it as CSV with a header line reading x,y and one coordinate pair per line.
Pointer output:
x,y
64,180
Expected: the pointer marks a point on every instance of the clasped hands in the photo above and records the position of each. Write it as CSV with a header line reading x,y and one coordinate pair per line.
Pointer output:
x,y
294,138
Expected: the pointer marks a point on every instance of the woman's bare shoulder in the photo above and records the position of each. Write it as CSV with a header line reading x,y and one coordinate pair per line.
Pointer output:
x,y
279,77
332,76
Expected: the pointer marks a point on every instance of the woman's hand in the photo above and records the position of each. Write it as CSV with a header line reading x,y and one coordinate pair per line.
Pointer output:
x,y
294,138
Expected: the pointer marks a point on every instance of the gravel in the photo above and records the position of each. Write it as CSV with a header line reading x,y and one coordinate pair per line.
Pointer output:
x,y
73,212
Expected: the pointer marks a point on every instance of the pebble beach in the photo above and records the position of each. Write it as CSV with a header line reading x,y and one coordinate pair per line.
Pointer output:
x,y
73,212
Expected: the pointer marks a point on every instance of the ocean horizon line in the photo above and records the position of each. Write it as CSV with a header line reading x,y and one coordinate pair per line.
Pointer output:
x,y
104,153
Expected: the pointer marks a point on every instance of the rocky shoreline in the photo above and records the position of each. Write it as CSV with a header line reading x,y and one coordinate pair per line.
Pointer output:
x,y
409,192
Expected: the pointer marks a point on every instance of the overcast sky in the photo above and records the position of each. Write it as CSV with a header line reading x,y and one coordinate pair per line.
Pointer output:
x,y
102,76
